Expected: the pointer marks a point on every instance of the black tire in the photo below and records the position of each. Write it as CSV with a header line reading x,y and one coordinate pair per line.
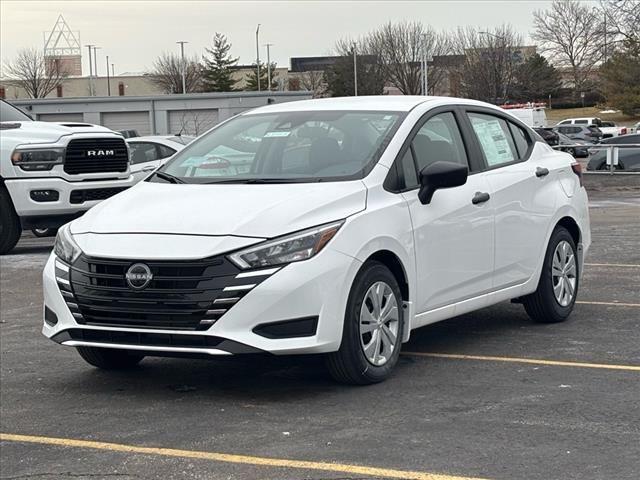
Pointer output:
x,y
349,364
44,232
109,358
10,228
542,306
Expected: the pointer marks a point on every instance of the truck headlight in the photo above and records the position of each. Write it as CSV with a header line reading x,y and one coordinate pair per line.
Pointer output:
x,y
37,159
291,248
65,248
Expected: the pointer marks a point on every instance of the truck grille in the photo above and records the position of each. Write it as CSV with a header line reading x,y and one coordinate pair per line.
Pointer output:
x,y
96,155
182,295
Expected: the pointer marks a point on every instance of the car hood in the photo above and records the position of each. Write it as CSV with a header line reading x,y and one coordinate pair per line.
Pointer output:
x,y
260,211
50,132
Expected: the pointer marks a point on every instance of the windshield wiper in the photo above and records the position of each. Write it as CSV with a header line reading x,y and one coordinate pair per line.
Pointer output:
x,y
167,176
260,180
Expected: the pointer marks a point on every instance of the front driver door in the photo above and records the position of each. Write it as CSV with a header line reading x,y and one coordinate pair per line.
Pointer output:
x,y
454,234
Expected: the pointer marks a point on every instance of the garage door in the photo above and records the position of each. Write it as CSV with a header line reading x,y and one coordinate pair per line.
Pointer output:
x,y
61,117
192,122
138,121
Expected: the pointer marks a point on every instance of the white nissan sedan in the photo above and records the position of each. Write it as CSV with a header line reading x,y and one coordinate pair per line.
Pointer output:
x,y
331,226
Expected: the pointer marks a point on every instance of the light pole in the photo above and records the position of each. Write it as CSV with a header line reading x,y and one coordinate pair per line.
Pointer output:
x,y
184,81
108,79
89,47
355,71
425,89
95,61
268,45
258,55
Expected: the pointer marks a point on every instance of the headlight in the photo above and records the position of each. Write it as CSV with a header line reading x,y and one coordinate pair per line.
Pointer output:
x,y
66,249
291,248
37,159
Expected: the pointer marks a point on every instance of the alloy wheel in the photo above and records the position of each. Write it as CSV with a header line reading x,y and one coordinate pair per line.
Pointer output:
x,y
379,322
563,273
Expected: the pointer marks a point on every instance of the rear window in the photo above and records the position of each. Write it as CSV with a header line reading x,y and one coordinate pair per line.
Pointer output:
x,y
593,129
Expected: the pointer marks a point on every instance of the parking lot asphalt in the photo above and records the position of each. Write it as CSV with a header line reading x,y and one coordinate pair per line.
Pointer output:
x,y
486,395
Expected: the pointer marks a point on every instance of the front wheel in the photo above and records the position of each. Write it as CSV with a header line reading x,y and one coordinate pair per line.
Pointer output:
x,y
44,232
557,290
109,358
373,325
10,228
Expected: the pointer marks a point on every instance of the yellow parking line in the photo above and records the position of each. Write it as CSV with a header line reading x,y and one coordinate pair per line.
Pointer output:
x,y
628,265
533,361
614,304
231,458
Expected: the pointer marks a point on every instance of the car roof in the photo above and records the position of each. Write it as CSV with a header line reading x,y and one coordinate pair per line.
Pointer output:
x,y
383,103
155,138
629,138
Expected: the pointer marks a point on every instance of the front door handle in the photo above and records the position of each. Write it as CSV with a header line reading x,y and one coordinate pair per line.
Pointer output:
x,y
480,197
542,172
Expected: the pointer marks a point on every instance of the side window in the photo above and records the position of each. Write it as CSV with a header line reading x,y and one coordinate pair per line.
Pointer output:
x,y
566,122
142,152
581,122
438,140
521,139
495,139
165,151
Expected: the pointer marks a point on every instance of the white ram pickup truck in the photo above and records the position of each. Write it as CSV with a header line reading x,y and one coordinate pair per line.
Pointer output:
x,y
51,173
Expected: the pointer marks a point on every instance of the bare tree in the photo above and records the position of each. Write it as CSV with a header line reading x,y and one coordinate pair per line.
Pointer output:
x,y
572,34
489,60
401,47
622,19
313,81
167,73
34,73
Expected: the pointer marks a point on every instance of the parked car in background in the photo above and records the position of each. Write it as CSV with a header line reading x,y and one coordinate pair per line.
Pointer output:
x,y
628,158
548,135
636,128
147,153
610,129
332,226
581,121
578,148
580,132
533,117
128,133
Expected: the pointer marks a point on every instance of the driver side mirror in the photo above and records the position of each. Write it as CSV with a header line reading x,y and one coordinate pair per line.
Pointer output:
x,y
440,175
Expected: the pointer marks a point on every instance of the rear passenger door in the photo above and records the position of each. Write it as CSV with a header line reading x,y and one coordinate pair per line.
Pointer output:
x,y
522,194
453,236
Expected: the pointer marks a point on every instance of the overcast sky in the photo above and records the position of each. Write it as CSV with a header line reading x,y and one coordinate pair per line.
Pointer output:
x,y
133,33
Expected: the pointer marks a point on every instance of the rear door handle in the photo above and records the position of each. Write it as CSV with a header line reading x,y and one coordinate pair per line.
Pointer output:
x,y
542,172
480,197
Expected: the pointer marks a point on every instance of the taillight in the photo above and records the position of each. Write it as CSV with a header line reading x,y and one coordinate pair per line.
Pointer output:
x,y
623,131
577,169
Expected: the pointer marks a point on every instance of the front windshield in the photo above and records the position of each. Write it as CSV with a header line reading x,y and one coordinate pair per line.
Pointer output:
x,y
9,113
285,147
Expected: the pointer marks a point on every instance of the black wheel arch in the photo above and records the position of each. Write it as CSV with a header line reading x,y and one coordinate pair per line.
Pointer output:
x,y
393,263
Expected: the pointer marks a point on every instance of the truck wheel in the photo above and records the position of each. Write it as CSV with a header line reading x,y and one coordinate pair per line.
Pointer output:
x,y
557,290
44,232
372,333
10,228
109,358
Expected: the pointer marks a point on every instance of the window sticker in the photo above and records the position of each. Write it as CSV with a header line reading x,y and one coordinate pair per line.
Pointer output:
x,y
493,140
277,133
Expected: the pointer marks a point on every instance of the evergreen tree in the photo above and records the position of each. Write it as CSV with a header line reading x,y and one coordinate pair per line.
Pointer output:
x,y
217,66
621,79
535,80
252,82
339,77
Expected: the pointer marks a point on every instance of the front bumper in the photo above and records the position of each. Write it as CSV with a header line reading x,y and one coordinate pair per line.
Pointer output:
x,y
314,289
20,190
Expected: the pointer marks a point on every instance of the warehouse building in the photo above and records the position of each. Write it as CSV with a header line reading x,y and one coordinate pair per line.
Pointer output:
x,y
190,114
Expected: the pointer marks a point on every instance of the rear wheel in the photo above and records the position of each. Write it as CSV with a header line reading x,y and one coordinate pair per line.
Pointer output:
x,y
372,334
10,228
555,297
109,358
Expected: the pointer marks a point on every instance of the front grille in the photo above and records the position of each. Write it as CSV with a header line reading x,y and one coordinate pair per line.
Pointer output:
x,y
96,155
89,194
183,295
